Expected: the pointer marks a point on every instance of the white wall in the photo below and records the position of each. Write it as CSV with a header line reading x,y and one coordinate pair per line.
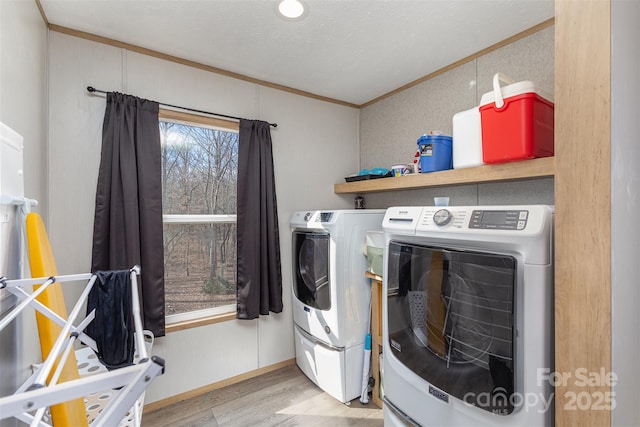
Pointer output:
x,y
625,205
315,145
23,106
23,90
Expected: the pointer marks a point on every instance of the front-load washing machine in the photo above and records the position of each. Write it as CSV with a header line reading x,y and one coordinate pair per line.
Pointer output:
x,y
331,296
468,315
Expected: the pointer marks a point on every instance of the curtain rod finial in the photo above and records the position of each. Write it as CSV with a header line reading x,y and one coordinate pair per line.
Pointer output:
x,y
91,89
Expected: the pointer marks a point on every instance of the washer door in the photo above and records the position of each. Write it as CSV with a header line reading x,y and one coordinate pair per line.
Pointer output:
x,y
311,269
451,320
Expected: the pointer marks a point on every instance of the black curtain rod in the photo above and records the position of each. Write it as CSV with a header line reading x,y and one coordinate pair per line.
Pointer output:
x,y
92,89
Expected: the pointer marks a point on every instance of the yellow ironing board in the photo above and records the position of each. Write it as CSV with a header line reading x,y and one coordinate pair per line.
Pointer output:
x,y
42,264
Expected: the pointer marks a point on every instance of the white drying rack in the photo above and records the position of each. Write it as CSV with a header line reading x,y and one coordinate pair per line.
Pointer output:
x,y
120,391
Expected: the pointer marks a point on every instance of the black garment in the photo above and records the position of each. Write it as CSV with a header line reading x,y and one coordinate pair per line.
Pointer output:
x,y
113,328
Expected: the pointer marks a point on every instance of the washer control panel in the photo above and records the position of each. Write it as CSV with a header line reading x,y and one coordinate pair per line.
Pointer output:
x,y
499,219
443,218
448,221
318,216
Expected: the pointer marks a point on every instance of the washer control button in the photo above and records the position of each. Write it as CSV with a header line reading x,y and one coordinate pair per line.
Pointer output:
x,y
442,217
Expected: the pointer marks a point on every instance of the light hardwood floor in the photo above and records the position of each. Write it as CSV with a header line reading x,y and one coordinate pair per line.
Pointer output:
x,y
285,397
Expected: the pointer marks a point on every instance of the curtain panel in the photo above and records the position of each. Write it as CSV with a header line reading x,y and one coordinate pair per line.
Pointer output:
x,y
128,213
259,274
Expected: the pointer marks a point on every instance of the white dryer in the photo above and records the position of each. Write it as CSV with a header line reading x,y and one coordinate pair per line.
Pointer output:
x,y
468,315
331,296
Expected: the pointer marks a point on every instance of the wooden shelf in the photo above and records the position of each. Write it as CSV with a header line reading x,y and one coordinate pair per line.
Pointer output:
x,y
514,171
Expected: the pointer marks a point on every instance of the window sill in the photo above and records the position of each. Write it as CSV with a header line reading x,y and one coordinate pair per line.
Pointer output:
x,y
195,323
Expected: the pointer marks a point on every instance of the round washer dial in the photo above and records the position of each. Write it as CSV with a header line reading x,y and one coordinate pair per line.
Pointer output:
x,y
442,217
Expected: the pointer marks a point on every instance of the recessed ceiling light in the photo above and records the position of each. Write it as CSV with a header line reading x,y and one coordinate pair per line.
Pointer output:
x,y
291,9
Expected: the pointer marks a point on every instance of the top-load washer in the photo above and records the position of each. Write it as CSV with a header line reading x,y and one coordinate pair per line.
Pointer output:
x,y
331,296
468,310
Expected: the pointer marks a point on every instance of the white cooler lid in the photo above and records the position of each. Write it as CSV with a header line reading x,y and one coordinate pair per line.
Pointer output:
x,y
514,89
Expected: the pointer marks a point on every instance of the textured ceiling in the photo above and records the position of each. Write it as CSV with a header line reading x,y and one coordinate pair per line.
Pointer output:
x,y
348,50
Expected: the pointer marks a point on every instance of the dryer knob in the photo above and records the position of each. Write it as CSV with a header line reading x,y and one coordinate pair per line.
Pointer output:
x,y
442,217
307,216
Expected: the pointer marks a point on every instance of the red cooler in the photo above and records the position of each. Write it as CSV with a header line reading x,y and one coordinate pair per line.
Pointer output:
x,y
517,122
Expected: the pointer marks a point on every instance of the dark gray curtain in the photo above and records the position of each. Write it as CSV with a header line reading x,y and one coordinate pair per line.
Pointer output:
x,y
127,227
259,273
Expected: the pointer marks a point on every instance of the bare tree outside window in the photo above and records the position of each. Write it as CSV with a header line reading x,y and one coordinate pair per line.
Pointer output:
x,y
199,182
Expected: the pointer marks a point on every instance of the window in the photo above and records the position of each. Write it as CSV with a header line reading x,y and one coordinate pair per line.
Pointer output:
x,y
199,181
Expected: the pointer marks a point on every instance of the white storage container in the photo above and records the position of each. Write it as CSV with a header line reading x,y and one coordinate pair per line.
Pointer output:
x,y
467,139
375,252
